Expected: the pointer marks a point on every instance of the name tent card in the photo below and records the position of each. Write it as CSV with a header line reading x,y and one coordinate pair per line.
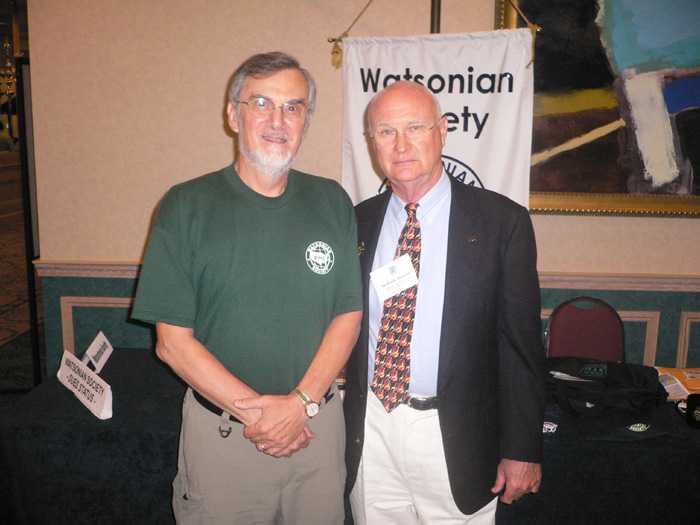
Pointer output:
x,y
98,352
90,389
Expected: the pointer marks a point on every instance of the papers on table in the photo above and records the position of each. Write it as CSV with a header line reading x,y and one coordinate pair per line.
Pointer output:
x,y
673,386
679,382
692,374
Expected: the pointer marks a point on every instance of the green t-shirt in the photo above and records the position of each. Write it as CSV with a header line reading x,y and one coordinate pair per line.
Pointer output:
x,y
258,279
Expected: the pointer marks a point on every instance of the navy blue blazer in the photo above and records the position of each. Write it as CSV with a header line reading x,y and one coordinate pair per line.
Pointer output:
x,y
490,371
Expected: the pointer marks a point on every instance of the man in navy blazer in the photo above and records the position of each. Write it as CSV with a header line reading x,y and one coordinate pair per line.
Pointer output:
x,y
468,424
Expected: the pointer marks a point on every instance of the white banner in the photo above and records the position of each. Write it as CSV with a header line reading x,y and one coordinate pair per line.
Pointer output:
x,y
484,82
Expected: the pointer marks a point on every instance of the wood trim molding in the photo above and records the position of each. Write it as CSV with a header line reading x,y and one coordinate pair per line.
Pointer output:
x,y
651,320
86,269
687,319
70,302
631,282
614,203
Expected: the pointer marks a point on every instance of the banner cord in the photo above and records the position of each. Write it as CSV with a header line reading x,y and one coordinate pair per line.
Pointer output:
x,y
534,28
337,49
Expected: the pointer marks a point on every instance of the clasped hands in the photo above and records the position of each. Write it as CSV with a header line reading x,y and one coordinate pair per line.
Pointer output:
x,y
281,429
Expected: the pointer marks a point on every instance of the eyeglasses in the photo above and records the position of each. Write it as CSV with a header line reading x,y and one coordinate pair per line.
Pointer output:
x,y
264,107
415,132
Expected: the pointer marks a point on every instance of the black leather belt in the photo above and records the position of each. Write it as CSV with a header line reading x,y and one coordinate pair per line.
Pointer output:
x,y
422,403
211,407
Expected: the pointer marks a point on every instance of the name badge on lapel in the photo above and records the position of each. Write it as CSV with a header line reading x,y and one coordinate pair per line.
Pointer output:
x,y
394,277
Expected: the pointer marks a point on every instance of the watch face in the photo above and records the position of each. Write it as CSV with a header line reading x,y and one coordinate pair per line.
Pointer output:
x,y
312,409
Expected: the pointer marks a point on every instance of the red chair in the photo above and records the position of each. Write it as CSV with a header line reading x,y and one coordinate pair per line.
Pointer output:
x,y
586,327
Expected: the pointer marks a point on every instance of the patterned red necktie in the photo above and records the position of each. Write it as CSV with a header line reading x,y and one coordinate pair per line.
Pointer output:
x,y
392,359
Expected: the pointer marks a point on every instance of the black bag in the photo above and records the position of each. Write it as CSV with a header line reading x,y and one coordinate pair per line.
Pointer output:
x,y
610,387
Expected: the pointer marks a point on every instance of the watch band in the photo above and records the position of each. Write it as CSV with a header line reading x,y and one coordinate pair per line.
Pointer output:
x,y
303,396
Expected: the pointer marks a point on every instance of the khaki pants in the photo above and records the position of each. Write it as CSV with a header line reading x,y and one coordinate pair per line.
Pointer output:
x,y
226,480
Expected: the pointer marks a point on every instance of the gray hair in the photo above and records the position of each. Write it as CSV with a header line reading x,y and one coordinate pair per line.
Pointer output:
x,y
264,65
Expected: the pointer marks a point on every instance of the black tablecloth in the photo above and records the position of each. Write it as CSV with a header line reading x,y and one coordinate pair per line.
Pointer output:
x,y
59,464
599,472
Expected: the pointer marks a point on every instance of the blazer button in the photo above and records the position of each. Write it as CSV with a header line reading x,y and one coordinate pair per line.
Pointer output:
x,y
357,441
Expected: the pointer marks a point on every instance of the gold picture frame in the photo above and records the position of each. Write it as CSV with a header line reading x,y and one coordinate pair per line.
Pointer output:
x,y
507,17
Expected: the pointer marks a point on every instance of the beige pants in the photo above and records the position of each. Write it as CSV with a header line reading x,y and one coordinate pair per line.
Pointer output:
x,y
226,480
402,478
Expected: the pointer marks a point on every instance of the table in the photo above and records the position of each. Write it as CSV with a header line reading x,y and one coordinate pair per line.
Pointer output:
x,y
59,464
589,481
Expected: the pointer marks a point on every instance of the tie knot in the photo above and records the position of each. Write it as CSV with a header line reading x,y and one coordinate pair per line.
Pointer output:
x,y
411,208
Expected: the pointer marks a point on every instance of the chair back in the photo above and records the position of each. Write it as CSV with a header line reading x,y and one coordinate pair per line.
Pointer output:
x,y
586,327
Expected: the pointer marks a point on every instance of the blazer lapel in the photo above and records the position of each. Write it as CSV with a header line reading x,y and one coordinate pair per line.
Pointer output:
x,y
369,224
463,253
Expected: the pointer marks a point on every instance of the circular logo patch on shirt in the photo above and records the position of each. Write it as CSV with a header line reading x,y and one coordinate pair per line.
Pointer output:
x,y
319,257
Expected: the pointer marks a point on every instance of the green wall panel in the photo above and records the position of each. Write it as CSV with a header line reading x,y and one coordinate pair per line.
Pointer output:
x,y
669,304
54,288
114,323
635,337
122,332
694,345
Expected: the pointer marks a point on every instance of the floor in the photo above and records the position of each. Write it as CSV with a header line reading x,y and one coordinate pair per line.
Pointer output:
x,y
15,348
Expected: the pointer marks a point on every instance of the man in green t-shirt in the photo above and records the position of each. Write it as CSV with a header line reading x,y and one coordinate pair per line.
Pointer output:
x,y
251,277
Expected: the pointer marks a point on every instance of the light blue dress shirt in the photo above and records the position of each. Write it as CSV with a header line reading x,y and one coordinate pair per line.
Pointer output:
x,y
433,214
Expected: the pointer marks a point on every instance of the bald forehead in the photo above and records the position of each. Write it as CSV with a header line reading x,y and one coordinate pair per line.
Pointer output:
x,y
403,91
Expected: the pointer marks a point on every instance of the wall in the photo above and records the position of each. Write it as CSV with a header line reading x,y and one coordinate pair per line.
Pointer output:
x,y
623,245
128,99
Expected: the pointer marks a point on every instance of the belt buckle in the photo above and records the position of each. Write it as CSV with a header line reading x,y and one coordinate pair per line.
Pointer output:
x,y
422,403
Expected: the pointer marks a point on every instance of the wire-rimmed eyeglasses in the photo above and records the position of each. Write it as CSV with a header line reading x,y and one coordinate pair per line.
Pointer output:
x,y
263,106
414,132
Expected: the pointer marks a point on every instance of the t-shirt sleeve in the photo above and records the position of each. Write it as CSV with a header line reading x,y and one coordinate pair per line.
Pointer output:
x,y
349,290
165,292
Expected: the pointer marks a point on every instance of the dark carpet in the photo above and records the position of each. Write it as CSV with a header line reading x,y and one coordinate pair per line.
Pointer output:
x,y
16,368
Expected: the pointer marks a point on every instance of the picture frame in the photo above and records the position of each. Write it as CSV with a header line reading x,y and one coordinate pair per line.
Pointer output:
x,y
633,195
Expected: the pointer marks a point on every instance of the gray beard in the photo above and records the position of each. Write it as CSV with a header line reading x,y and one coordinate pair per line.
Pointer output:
x,y
271,167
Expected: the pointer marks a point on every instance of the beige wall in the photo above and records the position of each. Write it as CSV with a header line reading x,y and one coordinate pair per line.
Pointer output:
x,y
128,98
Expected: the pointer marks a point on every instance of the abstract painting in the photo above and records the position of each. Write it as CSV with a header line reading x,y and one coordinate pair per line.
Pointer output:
x,y
617,105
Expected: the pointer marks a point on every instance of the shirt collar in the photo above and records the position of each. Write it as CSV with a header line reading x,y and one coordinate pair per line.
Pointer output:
x,y
426,203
